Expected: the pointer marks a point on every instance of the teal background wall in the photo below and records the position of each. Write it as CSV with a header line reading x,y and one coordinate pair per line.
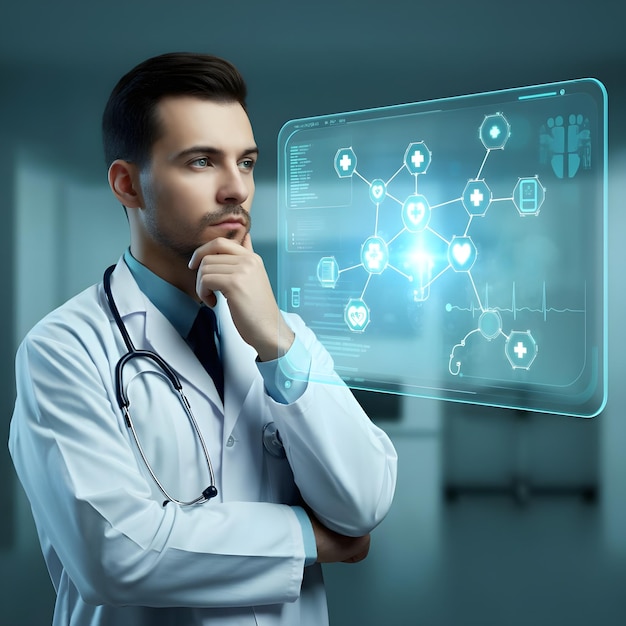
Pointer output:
x,y
530,554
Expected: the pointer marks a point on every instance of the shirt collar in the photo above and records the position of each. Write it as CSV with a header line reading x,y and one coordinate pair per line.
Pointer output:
x,y
179,309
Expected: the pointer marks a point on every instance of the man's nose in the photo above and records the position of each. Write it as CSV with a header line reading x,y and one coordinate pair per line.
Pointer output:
x,y
234,186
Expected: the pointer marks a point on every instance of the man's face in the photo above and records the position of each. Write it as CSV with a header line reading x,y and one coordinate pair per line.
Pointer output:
x,y
199,183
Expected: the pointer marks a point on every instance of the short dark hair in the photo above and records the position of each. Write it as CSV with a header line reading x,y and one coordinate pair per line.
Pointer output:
x,y
129,123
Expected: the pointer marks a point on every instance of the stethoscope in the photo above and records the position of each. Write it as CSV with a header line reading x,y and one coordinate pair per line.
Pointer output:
x,y
124,403
271,437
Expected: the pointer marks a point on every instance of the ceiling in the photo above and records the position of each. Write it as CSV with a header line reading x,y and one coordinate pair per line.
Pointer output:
x,y
278,34
59,60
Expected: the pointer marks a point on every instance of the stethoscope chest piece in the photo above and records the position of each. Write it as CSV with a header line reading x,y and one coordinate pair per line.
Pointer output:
x,y
272,441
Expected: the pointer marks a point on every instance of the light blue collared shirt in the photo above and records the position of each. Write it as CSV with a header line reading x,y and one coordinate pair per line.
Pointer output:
x,y
285,378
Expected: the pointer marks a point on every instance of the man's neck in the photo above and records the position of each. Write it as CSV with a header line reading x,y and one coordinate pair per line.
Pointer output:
x,y
168,266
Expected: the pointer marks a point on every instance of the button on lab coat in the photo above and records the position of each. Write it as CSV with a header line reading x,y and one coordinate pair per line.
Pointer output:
x,y
115,554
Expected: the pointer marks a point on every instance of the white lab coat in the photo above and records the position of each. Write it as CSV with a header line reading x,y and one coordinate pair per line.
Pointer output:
x,y
115,554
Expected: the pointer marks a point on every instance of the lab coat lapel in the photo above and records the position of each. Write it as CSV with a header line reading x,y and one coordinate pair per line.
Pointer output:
x,y
238,360
158,334
164,340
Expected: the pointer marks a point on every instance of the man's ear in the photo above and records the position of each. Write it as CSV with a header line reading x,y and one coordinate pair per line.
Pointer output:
x,y
124,182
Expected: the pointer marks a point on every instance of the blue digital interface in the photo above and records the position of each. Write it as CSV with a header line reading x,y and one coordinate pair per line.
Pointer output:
x,y
456,248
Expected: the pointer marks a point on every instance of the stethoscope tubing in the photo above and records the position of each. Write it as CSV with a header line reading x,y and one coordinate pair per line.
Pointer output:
x,y
124,402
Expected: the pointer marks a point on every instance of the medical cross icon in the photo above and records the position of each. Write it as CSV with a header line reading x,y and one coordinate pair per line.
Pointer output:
x,y
417,158
476,197
374,256
495,132
345,162
520,349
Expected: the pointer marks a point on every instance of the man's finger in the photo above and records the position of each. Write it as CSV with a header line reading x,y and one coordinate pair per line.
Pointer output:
x,y
247,242
194,261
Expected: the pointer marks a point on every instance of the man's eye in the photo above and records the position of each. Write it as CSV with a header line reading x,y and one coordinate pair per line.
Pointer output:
x,y
200,162
247,164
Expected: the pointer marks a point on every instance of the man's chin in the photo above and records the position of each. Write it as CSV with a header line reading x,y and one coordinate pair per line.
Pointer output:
x,y
235,235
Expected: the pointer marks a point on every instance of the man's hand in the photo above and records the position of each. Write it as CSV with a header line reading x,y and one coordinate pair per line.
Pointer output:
x,y
335,548
239,274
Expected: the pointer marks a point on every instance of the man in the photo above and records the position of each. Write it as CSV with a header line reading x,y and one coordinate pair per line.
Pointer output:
x,y
297,475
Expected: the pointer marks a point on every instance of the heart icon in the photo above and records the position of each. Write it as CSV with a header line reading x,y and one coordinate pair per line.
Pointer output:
x,y
377,191
357,315
461,252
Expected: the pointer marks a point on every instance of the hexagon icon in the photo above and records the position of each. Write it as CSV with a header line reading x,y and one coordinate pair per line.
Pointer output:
x,y
345,162
328,272
476,197
374,255
528,195
356,315
417,157
462,254
378,191
416,213
520,349
495,131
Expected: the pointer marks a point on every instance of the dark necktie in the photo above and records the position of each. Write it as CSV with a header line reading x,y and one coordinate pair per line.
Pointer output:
x,y
201,338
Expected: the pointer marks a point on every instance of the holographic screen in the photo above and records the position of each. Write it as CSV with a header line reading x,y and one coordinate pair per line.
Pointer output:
x,y
455,249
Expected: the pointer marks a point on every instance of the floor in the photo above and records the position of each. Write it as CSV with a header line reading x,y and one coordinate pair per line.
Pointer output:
x,y
497,563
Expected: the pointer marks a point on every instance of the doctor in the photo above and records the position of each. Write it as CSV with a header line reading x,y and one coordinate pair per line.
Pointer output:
x,y
285,469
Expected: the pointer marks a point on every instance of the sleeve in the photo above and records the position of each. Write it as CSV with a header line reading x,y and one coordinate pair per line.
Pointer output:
x,y
308,536
93,504
286,378
344,465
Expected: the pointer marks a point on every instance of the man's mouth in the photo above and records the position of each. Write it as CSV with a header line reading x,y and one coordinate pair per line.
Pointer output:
x,y
231,220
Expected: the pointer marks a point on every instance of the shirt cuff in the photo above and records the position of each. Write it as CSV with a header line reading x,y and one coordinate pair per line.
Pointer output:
x,y
310,546
286,378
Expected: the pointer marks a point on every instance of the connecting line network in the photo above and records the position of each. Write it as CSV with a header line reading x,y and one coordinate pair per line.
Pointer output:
x,y
528,196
